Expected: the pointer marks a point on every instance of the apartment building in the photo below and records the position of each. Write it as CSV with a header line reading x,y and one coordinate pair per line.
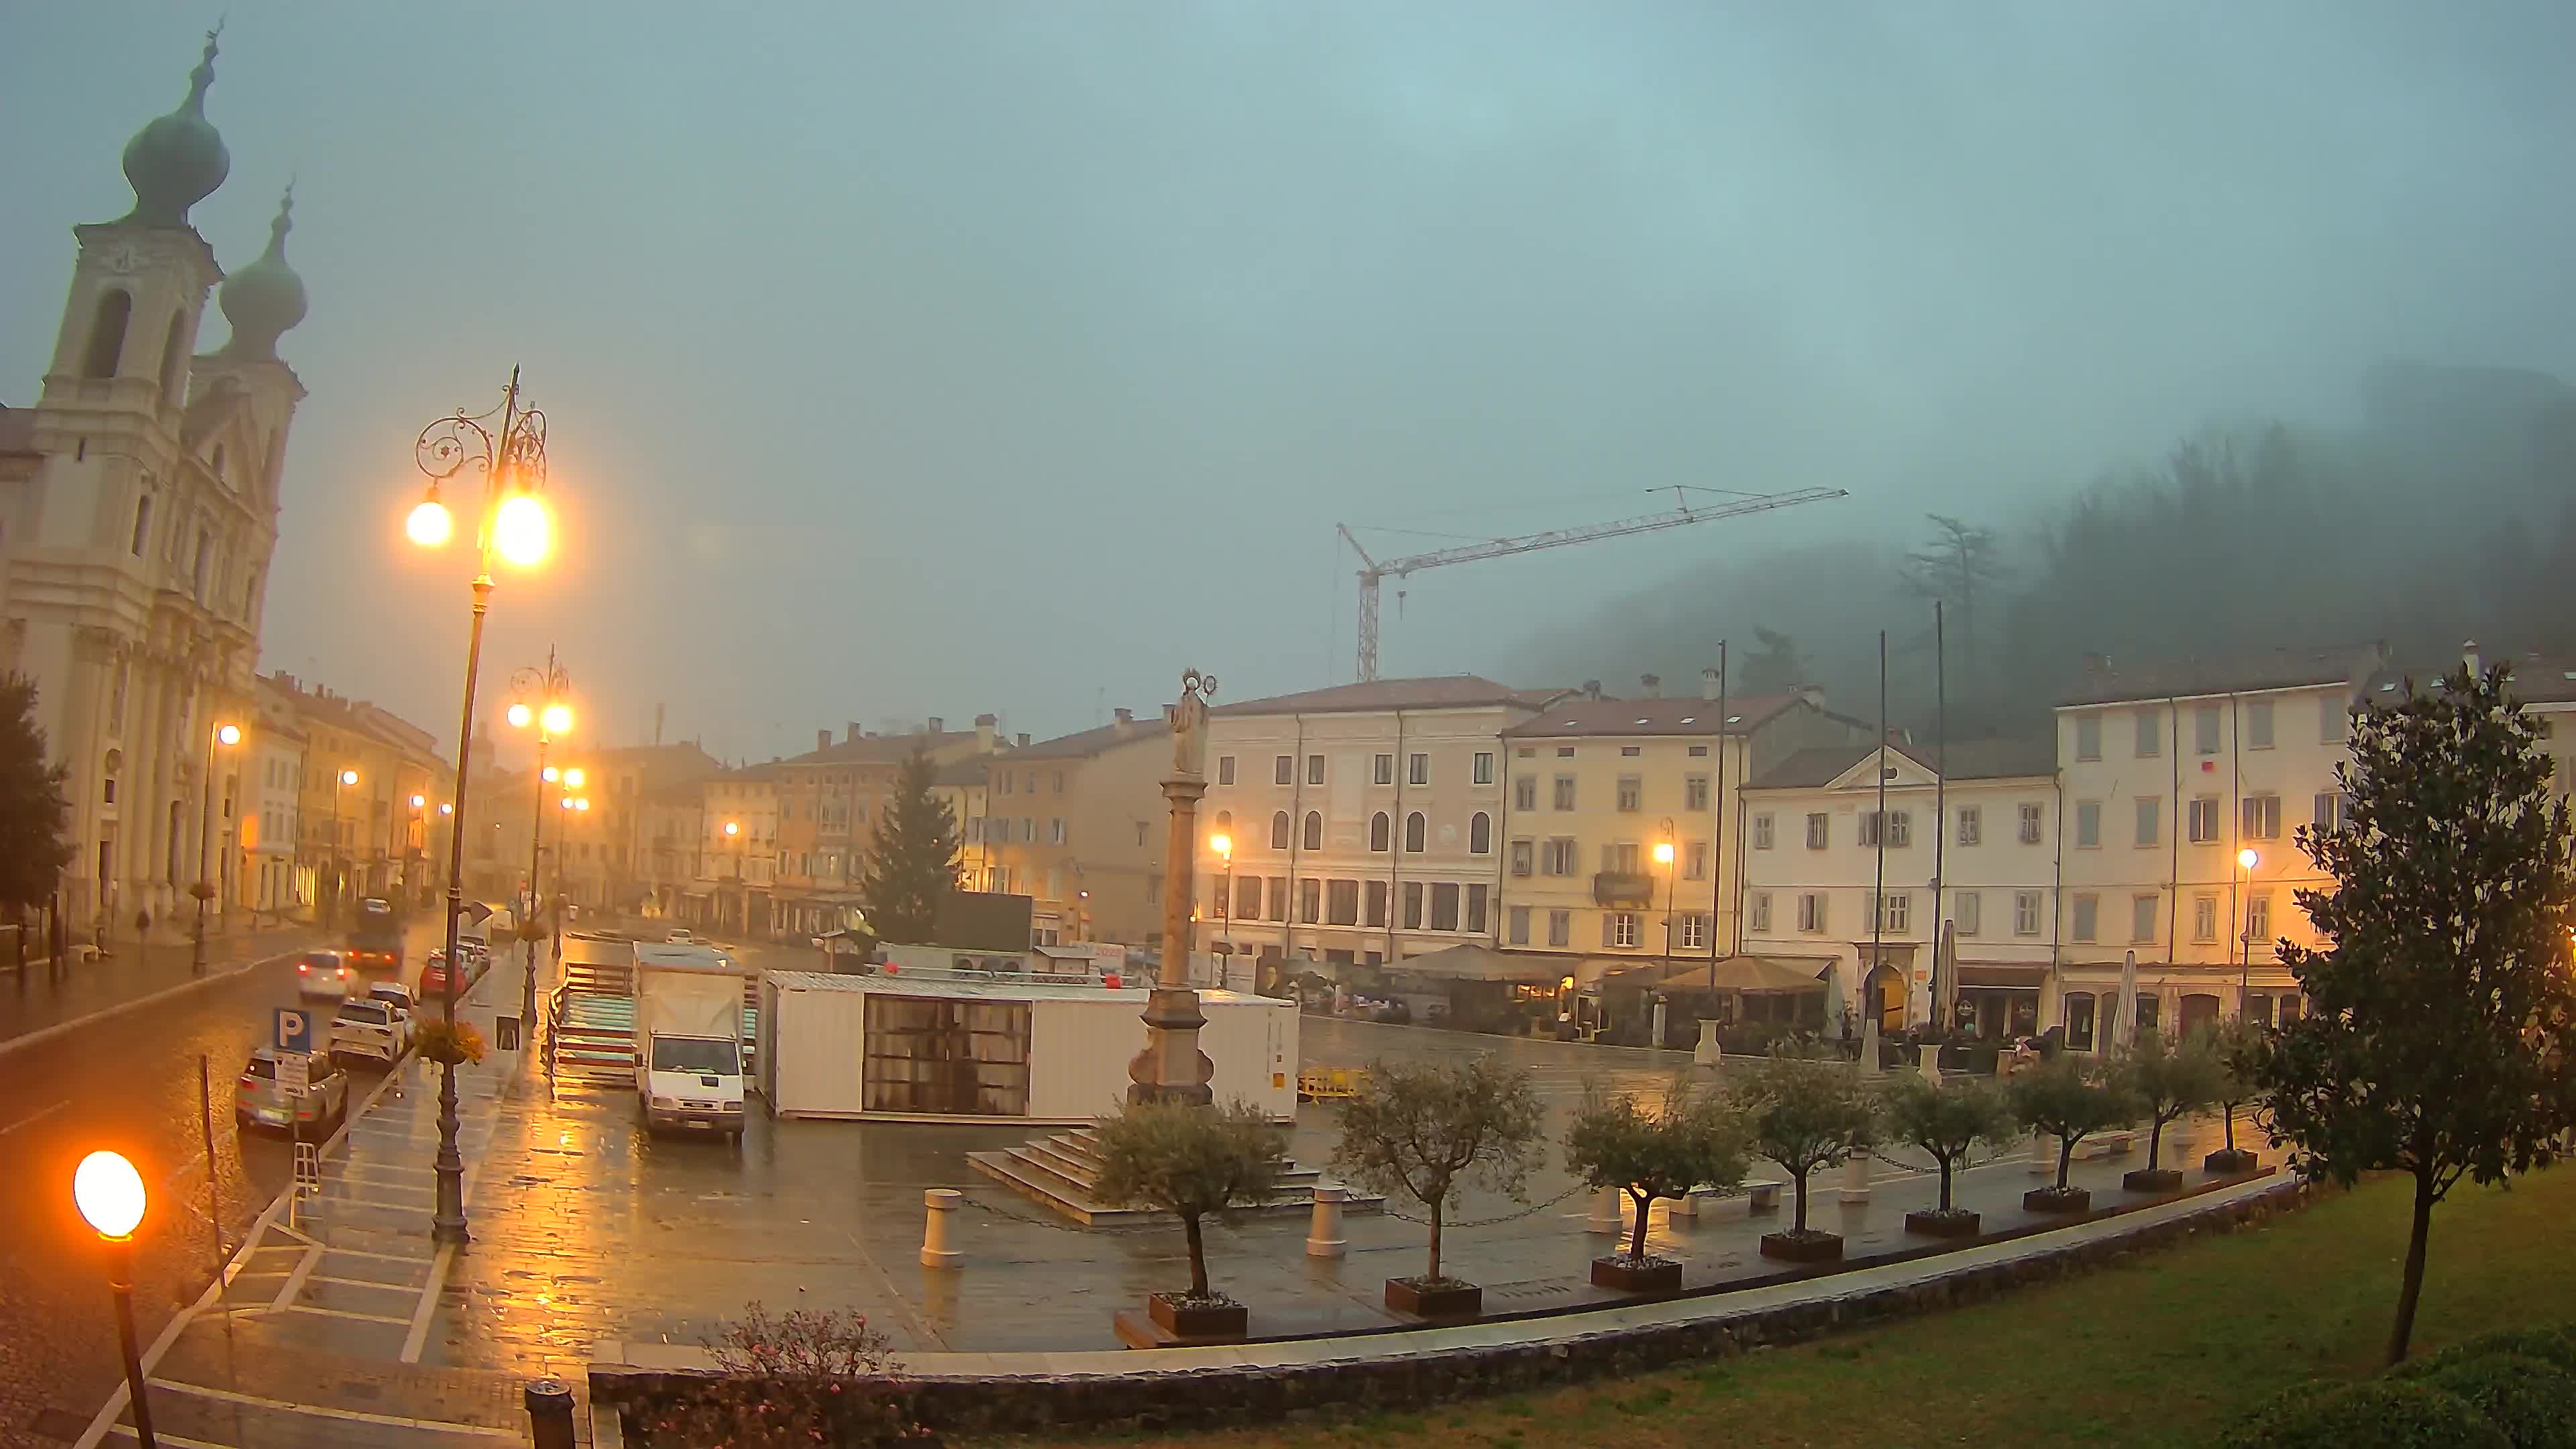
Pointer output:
x,y
1597,785
1367,819
1855,885
363,768
738,857
590,837
272,877
829,804
670,842
2175,777
1077,824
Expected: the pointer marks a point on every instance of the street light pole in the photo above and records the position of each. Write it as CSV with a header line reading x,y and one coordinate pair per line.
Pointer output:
x,y
513,523
109,1193
2247,859
204,890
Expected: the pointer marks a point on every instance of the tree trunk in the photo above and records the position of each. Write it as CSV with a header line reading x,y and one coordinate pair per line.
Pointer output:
x,y
1198,1256
2155,1142
2065,1160
1800,1225
2411,1287
1637,1245
1434,1205
1945,1184
2230,1119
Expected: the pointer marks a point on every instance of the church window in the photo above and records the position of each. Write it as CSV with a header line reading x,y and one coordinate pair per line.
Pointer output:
x,y
174,355
197,574
107,333
142,523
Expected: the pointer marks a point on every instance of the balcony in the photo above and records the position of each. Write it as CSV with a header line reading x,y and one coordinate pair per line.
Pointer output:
x,y
1623,888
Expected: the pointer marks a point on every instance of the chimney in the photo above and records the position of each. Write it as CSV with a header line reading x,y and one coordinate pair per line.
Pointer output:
x,y
850,731
1592,689
657,722
2469,657
985,725
1653,684
1813,694
1126,722
935,725
1021,739
822,739
1708,684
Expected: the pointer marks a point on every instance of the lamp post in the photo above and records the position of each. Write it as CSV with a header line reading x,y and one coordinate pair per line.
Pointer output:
x,y
2246,860
733,840
552,717
514,524
1664,858
226,736
109,1194
339,877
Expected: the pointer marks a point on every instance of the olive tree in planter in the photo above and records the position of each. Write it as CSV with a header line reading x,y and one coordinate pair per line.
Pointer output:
x,y
2239,1043
2166,1080
1805,1114
1192,1162
1691,1140
1418,1128
2069,1099
1948,1121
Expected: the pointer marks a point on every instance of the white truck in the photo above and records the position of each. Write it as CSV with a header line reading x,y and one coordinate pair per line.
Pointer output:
x,y
688,1038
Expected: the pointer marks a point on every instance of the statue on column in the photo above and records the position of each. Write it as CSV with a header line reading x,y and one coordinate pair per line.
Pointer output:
x,y
1171,1067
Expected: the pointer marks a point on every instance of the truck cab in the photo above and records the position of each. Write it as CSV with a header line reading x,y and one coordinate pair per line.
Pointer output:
x,y
688,1038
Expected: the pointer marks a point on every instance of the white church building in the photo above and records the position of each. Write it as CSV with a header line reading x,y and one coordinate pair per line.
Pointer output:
x,y
138,513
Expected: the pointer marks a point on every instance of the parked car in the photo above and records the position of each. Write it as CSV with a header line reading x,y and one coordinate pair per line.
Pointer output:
x,y
324,975
399,997
680,937
433,977
370,1029
257,1098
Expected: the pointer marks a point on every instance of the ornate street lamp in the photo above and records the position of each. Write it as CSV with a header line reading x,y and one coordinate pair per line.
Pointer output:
x,y
551,717
109,1193
227,736
513,523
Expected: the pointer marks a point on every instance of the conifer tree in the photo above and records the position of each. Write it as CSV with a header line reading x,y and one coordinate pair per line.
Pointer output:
x,y
912,863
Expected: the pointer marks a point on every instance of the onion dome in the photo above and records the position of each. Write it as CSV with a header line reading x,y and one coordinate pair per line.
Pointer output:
x,y
177,160
266,298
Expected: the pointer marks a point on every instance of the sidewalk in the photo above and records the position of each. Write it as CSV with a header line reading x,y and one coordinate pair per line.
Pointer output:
x,y
42,998
316,1336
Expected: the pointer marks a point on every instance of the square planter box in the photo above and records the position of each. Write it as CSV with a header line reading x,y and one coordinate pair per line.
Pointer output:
x,y
2152,1179
1632,1275
1811,1247
1957,1223
1451,1299
2224,1161
1183,1319
2050,1200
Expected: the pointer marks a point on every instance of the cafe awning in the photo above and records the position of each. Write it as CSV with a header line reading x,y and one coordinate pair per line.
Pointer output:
x,y
1743,975
1471,962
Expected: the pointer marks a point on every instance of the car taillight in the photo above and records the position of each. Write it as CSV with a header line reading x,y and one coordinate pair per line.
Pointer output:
x,y
249,1081
302,967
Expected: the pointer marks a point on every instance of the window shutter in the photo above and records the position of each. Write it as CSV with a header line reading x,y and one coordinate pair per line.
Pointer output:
x,y
1608,937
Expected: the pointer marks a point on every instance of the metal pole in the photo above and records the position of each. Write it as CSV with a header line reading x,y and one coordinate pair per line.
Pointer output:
x,y
120,1286
214,1179
1940,800
1878,891
536,833
205,827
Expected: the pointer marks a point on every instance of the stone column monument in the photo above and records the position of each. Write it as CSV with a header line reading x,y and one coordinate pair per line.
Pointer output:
x,y
1171,1068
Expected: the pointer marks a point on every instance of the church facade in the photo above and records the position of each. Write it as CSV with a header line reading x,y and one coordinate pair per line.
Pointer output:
x,y
138,516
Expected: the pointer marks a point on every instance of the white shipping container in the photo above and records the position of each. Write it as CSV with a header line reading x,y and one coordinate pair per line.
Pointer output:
x,y
996,1051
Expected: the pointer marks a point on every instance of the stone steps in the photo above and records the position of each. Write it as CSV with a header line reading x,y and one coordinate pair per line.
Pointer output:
x,y
1062,1173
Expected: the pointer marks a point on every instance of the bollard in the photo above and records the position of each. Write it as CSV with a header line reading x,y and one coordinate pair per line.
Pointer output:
x,y
549,1413
1708,1052
1606,1217
2043,1155
942,1204
1930,1065
1324,1232
1856,1180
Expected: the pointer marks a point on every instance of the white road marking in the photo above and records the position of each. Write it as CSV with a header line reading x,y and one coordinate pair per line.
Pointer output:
x,y
164,1436
36,1116
325,1411
342,1313
370,1283
421,1311
365,1253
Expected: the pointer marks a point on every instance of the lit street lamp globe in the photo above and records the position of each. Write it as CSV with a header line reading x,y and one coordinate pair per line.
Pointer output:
x,y
109,1193
348,777
2247,858
558,718
418,801
429,525
521,531
519,716
1663,852
228,735
574,777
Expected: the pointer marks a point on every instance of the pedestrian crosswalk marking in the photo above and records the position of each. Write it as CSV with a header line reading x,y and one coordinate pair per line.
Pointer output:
x,y
326,1411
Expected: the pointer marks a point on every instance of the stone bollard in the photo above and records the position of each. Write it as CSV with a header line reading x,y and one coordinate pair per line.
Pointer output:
x,y
1324,1231
2043,1155
549,1413
1707,1052
942,1203
1606,1216
1856,1180
1930,1066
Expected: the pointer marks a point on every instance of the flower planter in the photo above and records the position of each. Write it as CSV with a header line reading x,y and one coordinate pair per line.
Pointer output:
x,y
1206,1318
1956,1223
1637,1275
2057,1200
1444,1298
2152,1179
1811,1246
2226,1161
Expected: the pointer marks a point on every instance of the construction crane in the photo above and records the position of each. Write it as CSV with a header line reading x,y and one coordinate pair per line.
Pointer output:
x,y
1373,572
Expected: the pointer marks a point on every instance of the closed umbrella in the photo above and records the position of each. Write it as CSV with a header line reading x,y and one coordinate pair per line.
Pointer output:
x,y
2124,1026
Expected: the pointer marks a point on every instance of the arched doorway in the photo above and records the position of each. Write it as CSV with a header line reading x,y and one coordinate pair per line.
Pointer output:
x,y
1885,990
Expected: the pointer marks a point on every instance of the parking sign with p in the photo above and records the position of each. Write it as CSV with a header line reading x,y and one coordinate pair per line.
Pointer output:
x,y
294,1031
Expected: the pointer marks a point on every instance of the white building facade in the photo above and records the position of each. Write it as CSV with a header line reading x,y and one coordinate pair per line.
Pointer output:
x,y
138,513
1367,819
1833,883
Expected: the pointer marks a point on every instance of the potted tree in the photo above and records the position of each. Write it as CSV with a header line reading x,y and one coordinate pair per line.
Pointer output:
x,y
1690,1140
1417,1128
1191,1161
2166,1079
1948,1121
1805,1114
2240,1044
2070,1099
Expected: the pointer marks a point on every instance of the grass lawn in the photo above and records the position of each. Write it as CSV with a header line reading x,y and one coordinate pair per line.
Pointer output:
x,y
2164,1351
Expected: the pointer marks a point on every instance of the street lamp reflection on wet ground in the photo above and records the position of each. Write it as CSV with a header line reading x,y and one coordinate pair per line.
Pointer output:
x,y
109,1194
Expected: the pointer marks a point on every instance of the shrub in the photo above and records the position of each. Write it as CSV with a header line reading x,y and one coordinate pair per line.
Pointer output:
x,y
1418,1127
2531,1400
2372,1414
1648,1152
455,1045
2549,1345
798,1378
1807,1114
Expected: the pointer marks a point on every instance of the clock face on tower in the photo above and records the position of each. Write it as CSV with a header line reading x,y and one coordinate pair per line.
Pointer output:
x,y
124,256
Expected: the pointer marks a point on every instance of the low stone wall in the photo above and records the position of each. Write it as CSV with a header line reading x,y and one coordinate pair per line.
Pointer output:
x,y
1408,1378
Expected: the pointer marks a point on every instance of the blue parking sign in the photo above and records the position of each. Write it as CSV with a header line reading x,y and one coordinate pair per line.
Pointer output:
x,y
294,1030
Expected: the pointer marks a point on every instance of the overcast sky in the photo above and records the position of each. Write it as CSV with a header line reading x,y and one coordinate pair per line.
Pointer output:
x,y
934,359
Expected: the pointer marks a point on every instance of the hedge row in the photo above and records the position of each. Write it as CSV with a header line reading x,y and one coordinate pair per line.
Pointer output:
x,y
2510,1390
